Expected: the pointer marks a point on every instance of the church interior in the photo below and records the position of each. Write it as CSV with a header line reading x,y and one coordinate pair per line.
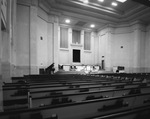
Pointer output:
x,y
75,59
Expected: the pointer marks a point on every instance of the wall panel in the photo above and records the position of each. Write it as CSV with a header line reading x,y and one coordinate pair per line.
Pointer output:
x,y
63,56
22,40
50,51
42,43
125,46
121,49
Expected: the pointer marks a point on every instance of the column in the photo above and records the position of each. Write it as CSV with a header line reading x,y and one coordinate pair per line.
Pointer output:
x,y
69,43
96,49
50,47
13,39
6,45
1,91
56,47
108,66
136,48
33,39
82,43
93,50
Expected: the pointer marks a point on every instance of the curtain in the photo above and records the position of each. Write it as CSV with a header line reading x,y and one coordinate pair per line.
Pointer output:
x,y
76,36
87,40
63,37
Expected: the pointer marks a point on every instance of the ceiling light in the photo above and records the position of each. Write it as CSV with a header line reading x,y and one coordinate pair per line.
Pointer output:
x,y
92,26
101,0
85,1
67,20
122,1
114,4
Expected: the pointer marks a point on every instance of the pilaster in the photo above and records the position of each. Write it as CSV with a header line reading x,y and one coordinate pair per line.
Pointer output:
x,y
69,43
33,40
56,47
1,91
138,48
108,63
82,43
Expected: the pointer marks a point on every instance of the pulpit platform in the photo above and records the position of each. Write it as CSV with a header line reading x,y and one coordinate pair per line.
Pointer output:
x,y
81,69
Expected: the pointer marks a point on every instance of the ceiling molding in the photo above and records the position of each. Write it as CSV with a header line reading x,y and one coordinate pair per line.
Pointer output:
x,y
137,15
76,27
62,9
98,14
135,24
44,6
134,10
80,13
98,7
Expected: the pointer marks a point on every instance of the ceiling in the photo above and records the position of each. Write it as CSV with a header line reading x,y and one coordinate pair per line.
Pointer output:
x,y
100,14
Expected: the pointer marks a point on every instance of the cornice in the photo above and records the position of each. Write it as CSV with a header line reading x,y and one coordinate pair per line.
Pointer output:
x,y
44,6
136,25
77,28
143,11
134,10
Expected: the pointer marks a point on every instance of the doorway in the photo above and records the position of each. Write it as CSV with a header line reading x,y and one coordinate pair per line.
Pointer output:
x,y
76,56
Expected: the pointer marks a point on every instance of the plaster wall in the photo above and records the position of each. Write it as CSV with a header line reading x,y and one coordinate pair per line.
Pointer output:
x,y
22,40
123,46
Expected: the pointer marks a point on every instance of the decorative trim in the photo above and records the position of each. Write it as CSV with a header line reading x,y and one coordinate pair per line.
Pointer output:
x,y
76,45
87,51
64,49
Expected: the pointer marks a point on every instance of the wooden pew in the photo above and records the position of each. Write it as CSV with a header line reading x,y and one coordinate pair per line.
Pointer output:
x,y
103,86
8,91
140,113
17,96
82,96
140,101
74,90
40,78
43,78
85,109
10,95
